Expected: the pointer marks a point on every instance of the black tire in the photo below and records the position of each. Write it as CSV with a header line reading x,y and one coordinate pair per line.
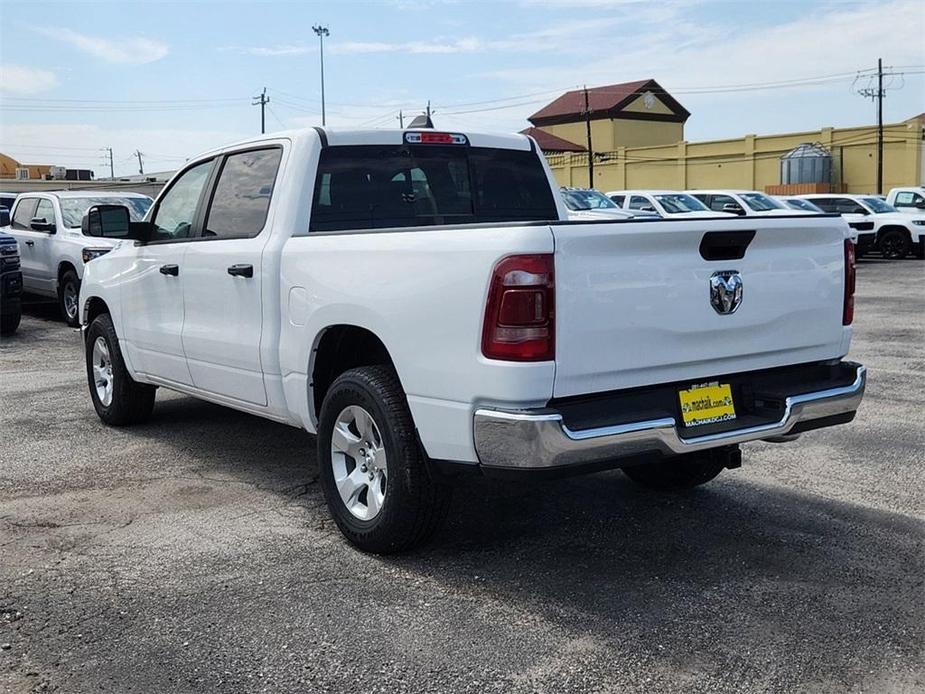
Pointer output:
x,y
132,402
70,311
9,322
675,474
415,503
893,244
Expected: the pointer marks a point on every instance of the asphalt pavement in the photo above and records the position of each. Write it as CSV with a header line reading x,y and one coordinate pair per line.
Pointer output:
x,y
194,553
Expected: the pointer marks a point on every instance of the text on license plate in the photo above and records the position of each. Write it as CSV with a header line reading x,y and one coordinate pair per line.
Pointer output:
x,y
707,403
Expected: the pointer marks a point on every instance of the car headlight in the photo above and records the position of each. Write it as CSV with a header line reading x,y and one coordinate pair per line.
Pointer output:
x,y
89,254
919,222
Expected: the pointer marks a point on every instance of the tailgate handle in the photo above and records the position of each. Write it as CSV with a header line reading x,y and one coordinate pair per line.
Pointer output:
x,y
725,245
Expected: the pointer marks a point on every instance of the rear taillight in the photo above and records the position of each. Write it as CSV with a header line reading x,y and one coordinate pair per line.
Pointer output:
x,y
520,313
848,310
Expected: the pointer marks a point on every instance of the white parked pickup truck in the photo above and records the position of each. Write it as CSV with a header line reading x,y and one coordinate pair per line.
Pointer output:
x,y
52,248
419,300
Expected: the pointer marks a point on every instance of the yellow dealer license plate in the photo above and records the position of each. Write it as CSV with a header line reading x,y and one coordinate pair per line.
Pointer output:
x,y
707,403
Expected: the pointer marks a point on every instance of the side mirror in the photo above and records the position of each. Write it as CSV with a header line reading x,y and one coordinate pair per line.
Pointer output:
x,y
112,222
920,204
733,208
4,217
648,208
39,224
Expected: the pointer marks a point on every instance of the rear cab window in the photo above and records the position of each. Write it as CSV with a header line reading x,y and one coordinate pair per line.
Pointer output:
x,y
385,186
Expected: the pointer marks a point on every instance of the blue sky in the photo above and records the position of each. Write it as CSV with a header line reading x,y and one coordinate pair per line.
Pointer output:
x,y
174,78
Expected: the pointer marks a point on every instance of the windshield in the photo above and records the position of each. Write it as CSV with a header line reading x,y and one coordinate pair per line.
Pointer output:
x,y
587,200
805,205
760,202
878,206
678,203
74,209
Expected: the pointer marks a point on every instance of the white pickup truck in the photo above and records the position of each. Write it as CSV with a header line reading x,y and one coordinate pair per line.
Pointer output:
x,y
53,249
418,300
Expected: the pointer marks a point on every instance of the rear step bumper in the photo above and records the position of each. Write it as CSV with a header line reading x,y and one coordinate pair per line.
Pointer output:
x,y
525,440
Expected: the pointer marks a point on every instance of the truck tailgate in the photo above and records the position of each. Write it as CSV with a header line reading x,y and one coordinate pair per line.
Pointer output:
x,y
633,300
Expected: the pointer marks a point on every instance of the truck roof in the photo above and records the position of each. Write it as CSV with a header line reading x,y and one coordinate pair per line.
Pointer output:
x,y
379,136
87,194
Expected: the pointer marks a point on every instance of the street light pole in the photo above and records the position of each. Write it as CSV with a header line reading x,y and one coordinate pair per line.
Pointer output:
x,y
321,31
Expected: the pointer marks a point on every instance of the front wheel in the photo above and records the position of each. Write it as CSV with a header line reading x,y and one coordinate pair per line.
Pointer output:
x,y
894,244
676,474
68,298
9,322
117,398
376,482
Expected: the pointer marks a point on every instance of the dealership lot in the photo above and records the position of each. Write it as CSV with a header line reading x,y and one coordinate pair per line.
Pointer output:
x,y
194,553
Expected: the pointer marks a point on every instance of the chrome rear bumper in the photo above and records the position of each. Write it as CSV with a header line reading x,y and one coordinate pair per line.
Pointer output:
x,y
529,440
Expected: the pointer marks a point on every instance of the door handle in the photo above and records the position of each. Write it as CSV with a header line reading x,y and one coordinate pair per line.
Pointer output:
x,y
170,270
30,243
241,270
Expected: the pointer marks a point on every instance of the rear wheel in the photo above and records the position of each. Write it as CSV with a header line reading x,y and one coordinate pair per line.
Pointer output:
x,y
676,474
375,478
117,398
69,298
894,244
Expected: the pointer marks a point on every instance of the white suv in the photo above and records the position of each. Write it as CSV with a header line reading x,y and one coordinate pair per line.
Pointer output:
x,y
880,226
667,203
745,203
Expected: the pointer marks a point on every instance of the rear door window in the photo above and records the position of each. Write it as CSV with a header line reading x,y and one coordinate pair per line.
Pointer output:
x,y
382,186
242,195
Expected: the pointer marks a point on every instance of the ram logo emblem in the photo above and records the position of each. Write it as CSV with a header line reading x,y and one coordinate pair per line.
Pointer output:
x,y
726,291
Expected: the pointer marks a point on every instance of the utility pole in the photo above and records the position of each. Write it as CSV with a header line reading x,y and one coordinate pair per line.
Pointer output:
x,y
878,95
588,132
141,168
879,126
321,31
428,109
401,120
112,173
262,100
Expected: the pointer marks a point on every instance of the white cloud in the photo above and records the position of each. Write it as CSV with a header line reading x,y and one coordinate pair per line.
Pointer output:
x,y
18,79
687,54
128,50
463,45
272,51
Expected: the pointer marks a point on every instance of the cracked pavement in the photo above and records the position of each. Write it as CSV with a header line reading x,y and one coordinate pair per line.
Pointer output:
x,y
195,554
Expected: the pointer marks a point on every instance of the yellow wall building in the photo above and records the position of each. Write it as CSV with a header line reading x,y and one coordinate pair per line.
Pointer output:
x,y
637,135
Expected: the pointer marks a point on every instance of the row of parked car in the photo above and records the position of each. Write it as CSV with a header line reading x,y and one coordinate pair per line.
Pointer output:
x,y
43,248
893,226
52,249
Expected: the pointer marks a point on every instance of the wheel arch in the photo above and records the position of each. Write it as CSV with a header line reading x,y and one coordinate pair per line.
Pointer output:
x,y
338,348
64,266
93,307
893,227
